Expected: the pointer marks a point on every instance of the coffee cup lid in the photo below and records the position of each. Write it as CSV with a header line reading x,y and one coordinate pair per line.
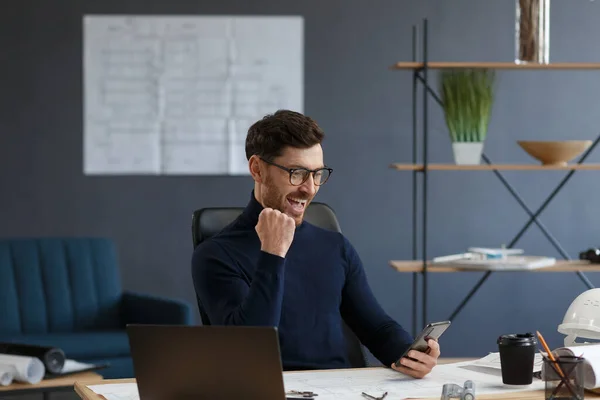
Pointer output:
x,y
518,339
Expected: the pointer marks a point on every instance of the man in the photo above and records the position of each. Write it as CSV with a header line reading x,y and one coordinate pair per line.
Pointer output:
x,y
271,268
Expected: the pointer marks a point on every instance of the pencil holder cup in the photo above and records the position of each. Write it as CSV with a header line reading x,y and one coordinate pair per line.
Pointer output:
x,y
564,378
517,354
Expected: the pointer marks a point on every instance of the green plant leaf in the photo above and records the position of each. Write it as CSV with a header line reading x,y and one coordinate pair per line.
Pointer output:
x,y
467,97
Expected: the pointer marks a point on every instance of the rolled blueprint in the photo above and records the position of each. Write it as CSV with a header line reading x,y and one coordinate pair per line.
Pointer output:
x,y
26,369
6,374
52,357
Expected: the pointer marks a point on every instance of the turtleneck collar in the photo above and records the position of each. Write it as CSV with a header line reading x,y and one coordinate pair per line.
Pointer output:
x,y
253,209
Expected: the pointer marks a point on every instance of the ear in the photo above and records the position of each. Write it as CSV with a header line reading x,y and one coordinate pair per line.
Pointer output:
x,y
255,169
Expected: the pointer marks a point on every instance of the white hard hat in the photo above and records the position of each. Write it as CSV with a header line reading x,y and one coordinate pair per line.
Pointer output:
x,y
582,318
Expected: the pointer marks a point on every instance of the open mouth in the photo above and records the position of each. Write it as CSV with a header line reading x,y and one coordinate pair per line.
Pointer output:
x,y
297,204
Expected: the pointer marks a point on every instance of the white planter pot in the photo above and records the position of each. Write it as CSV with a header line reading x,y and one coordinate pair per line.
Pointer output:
x,y
467,153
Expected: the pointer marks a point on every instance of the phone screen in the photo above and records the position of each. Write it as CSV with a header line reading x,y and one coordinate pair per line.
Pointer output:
x,y
431,331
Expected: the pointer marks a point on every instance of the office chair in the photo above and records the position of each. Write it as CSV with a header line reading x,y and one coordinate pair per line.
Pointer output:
x,y
207,222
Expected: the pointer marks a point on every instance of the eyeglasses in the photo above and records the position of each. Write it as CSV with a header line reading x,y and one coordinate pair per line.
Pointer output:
x,y
299,175
374,397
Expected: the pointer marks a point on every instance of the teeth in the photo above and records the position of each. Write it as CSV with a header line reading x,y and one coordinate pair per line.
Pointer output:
x,y
301,201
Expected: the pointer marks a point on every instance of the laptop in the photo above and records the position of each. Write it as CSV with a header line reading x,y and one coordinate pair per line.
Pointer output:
x,y
173,362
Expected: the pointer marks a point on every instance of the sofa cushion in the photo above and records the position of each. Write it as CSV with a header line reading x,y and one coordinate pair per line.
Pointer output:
x,y
58,285
79,345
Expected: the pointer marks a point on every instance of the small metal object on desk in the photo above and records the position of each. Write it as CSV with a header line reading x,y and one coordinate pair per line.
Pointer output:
x,y
592,255
453,391
374,397
306,394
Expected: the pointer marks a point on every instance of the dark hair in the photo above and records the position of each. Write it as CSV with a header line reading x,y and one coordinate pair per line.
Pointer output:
x,y
268,136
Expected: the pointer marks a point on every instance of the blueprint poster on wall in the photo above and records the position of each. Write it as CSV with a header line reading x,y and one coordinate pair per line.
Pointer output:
x,y
176,94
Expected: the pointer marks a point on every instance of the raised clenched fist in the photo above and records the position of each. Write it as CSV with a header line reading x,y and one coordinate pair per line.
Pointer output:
x,y
275,231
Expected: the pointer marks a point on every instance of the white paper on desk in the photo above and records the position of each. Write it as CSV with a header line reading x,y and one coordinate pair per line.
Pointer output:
x,y
117,391
492,360
26,369
7,375
349,384
75,366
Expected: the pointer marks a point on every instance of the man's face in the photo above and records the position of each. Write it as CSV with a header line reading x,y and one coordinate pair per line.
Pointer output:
x,y
277,191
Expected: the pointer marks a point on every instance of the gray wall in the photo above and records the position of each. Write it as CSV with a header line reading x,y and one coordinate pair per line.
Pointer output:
x,y
365,109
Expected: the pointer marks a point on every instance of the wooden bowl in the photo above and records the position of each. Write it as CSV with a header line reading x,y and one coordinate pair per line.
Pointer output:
x,y
555,152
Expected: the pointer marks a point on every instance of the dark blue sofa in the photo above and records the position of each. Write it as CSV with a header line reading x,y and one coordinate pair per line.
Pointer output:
x,y
66,292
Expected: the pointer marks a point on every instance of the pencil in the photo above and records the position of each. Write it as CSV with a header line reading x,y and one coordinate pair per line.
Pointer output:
x,y
550,355
558,369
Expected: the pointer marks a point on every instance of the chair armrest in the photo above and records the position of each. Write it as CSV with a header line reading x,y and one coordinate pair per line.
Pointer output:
x,y
138,308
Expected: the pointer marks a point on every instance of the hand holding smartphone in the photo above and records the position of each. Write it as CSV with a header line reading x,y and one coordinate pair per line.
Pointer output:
x,y
432,331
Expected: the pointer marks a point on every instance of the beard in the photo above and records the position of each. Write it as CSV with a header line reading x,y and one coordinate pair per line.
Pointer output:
x,y
279,199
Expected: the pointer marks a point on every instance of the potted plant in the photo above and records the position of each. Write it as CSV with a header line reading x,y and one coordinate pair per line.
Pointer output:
x,y
467,97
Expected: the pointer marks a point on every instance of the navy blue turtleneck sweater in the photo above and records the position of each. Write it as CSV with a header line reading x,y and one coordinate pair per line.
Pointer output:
x,y
305,295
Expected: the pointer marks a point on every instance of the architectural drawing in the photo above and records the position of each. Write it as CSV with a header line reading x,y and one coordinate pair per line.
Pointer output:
x,y
349,384
176,94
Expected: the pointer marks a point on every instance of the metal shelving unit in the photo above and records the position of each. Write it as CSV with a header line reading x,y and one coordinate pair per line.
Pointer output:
x,y
420,169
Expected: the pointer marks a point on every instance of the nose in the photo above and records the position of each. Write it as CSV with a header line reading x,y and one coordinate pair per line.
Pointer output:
x,y
309,187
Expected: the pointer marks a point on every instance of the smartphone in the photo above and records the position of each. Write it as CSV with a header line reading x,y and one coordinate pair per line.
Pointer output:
x,y
432,331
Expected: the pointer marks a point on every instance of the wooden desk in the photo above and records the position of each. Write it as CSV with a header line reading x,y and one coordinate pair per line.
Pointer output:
x,y
50,385
87,394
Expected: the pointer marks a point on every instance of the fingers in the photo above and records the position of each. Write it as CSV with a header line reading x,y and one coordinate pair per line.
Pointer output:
x,y
416,369
420,363
429,358
263,214
410,372
434,348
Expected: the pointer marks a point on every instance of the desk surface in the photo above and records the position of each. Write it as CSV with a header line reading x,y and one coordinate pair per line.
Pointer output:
x,y
55,383
86,394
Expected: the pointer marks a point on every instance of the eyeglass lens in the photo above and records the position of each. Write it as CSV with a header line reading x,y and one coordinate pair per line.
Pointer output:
x,y
299,176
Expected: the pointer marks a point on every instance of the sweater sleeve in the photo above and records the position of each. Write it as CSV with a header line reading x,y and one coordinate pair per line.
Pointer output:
x,y
384,337
222,287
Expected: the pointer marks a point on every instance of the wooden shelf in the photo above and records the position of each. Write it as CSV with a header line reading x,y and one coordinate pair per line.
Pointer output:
x,y
500,167
495,65
560,266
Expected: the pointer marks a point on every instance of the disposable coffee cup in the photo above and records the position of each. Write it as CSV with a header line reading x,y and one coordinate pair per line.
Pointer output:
x,y
517,355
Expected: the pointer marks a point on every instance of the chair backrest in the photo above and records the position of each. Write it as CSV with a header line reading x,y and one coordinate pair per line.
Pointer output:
x,y
58,285
206,222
